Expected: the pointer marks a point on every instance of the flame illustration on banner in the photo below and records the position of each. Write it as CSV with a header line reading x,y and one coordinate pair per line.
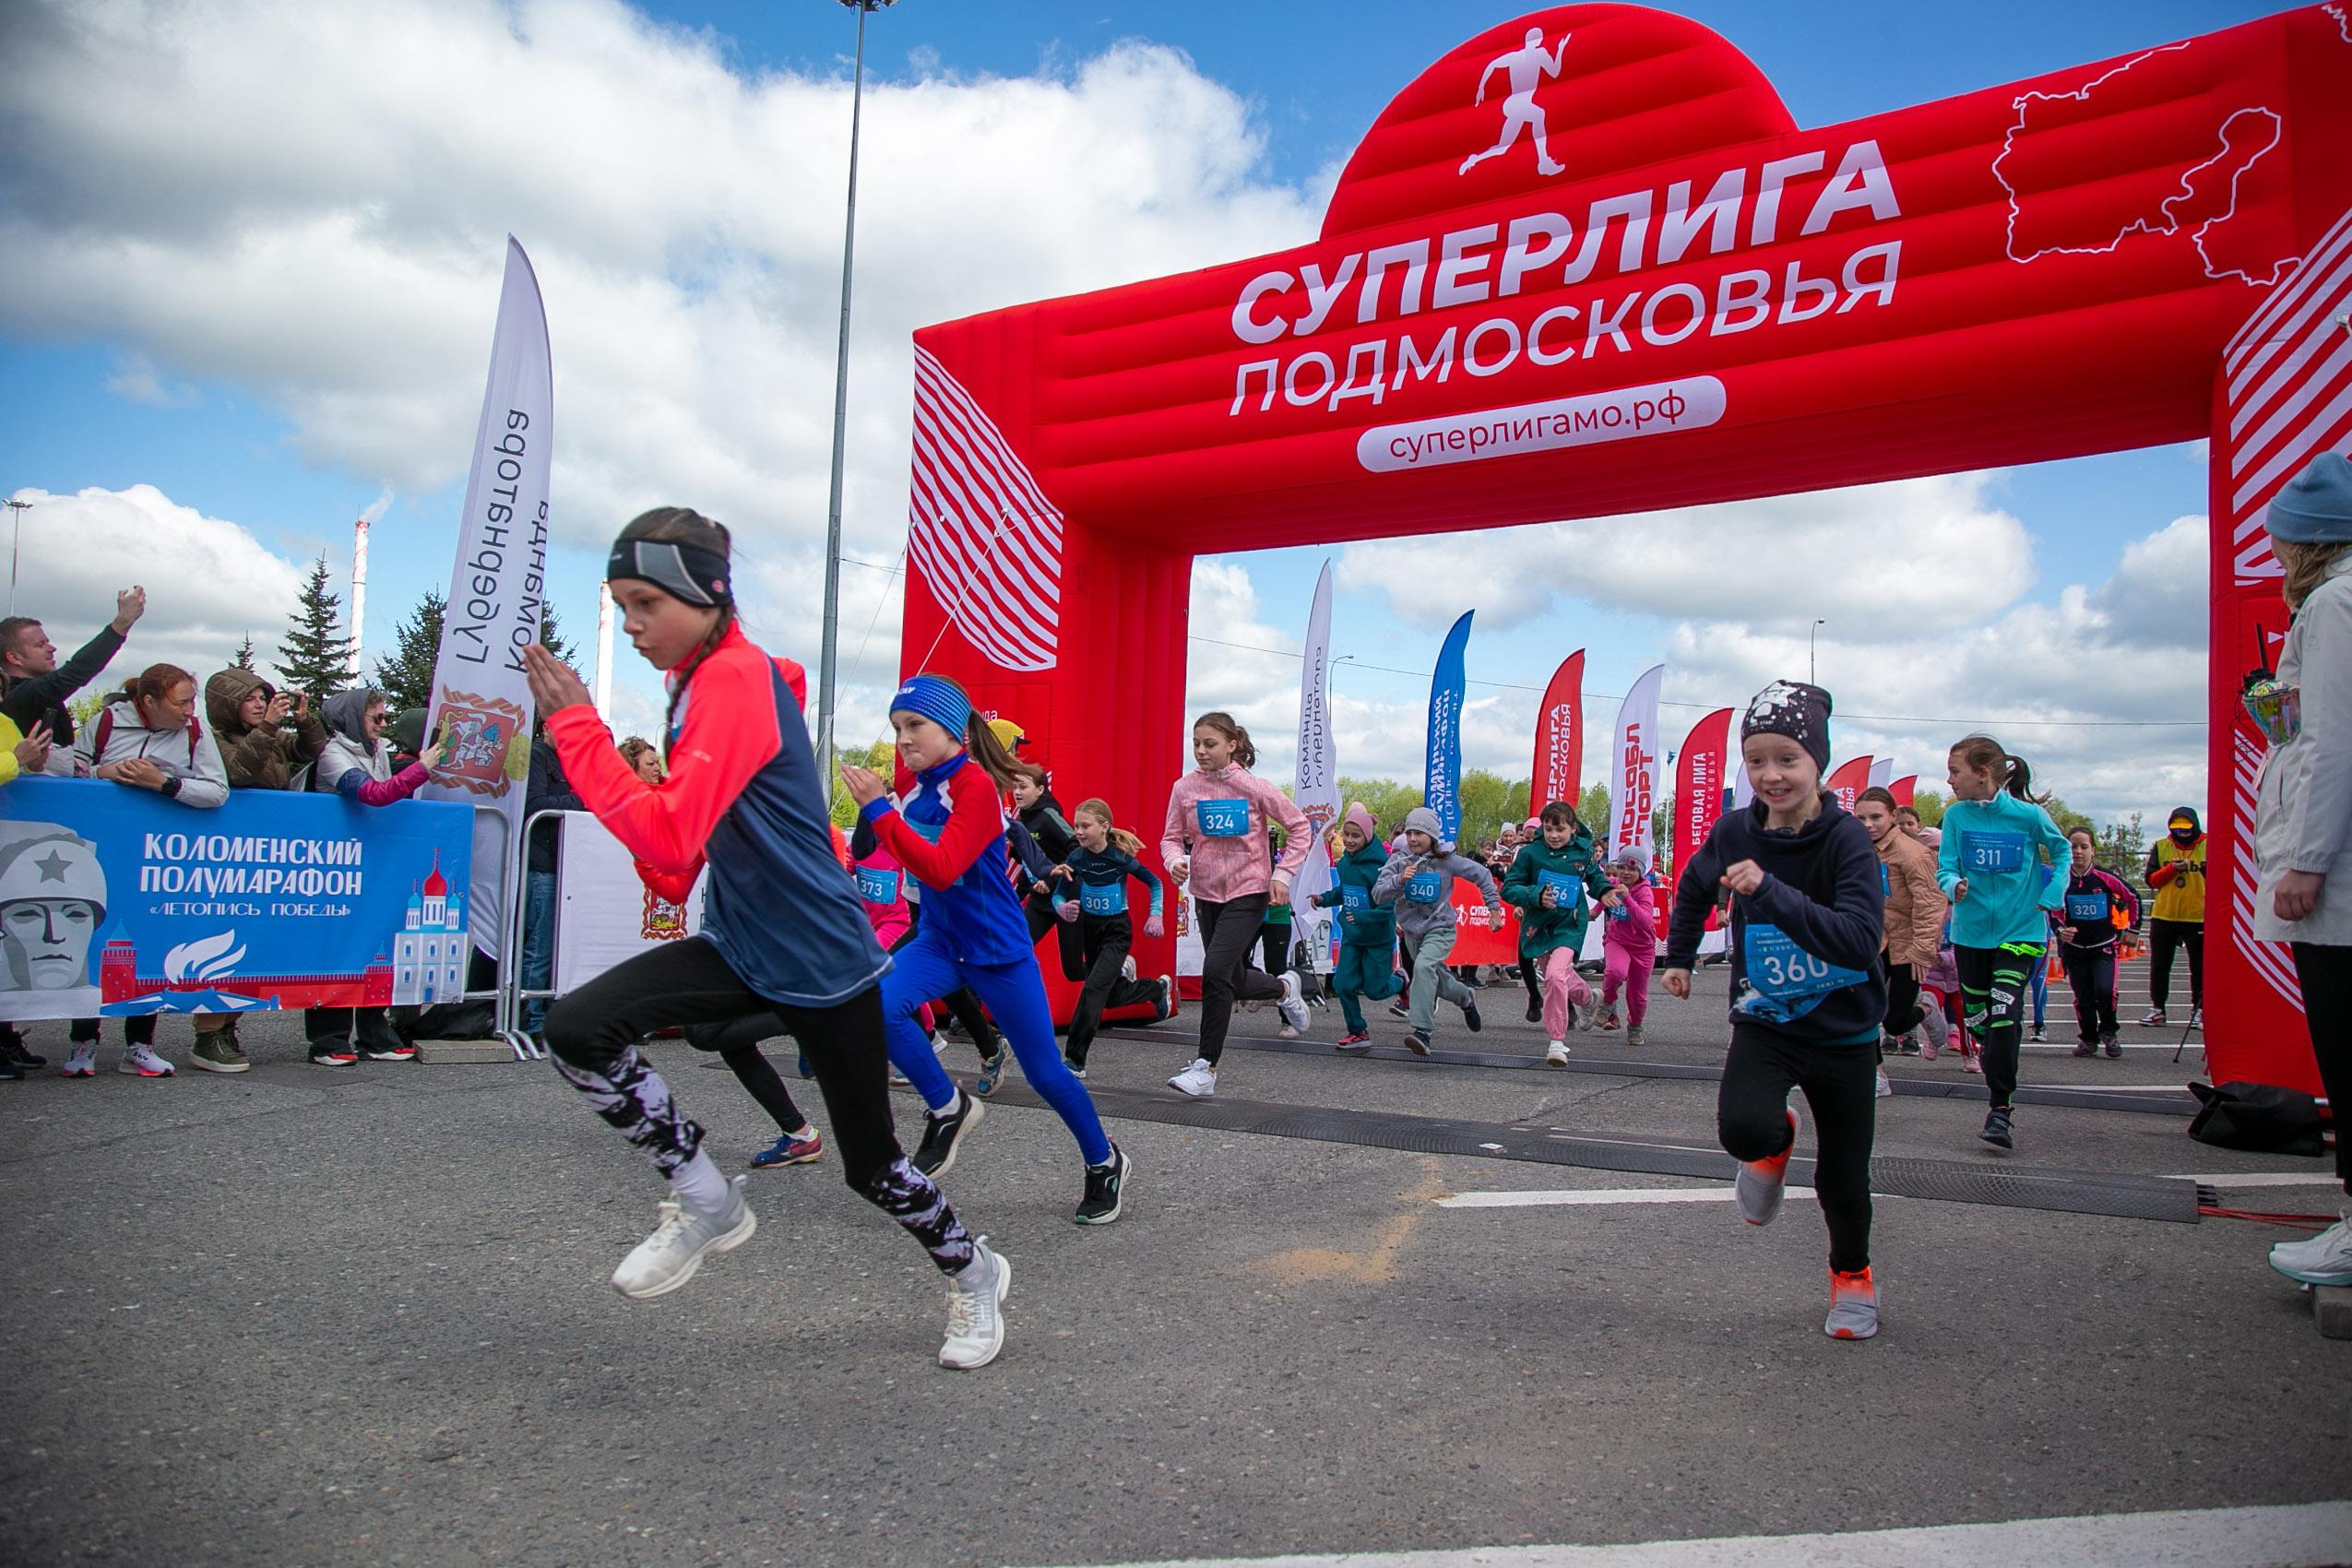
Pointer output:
x,y
206,958
986,540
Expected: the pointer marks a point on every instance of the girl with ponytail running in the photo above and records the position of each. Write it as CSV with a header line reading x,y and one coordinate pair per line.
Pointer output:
x,y
782,931
1989,866
1215,838
1101,862
950,834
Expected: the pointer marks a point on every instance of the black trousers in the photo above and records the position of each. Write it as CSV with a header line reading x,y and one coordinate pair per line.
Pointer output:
x,y
1902,999
2326,973
1993,982
2164,936
138,1029
1039,908
737,1044
1102,946
1274,948
1228,933
594,1028
2090,974
1841,1086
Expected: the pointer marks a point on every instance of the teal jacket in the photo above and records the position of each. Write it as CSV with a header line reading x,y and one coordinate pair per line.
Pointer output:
x,y
1996,845
1541,931
1366,924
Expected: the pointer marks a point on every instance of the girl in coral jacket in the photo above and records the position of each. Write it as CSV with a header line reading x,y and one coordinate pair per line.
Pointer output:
x,y
950,834
783,930
1216,840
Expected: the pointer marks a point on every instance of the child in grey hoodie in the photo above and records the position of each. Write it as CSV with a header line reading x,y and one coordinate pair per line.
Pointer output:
x,y
1419,880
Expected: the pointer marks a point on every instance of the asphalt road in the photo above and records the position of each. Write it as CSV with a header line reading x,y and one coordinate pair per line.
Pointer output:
x,y
359,1316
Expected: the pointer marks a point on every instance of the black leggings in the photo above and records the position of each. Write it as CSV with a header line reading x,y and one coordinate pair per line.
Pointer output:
x,y
738,1046
1228,933
2090,974
1841,1085
1992,988
2326,973
1903,1010
1039,906
138,1028
592,1033
2164,936
1102,946
1274,948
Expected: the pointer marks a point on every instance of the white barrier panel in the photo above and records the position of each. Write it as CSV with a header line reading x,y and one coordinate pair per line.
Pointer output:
x,y
604,915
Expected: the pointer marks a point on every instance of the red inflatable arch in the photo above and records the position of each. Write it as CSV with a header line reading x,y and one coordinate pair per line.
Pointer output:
x,y
1586,264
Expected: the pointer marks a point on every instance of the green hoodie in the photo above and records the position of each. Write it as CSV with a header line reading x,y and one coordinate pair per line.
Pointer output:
x,y
1366,924
1541,929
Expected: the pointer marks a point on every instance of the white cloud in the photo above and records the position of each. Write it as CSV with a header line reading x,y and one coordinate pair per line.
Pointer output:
x,y
208,582
307,202
1914,553
136,380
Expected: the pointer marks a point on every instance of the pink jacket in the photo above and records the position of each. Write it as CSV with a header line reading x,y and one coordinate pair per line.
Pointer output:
x,y
889,921
1228,867
1637,932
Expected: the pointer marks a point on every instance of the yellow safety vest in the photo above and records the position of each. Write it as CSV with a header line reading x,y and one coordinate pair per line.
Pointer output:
x,y
2183,898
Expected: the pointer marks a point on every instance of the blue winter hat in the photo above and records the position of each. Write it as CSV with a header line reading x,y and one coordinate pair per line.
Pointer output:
x,y
938,699
2315,507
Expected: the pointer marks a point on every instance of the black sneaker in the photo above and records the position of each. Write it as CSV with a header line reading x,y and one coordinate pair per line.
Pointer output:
x,y
943,1130
2114,1048
1398,1010
1417,1042
8,1069
13,1053
1996,1131
1535,1010
1104,1184
1470,1019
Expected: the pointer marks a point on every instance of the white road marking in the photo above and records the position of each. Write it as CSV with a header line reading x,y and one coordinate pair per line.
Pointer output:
x,y
1599,1195
2263,1178
2214,1538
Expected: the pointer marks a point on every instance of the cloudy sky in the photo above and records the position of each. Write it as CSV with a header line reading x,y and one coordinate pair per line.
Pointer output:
x,y
249,260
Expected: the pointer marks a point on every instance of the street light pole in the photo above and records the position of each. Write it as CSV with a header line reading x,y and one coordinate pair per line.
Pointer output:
x,y
1812,670
17,510
828,656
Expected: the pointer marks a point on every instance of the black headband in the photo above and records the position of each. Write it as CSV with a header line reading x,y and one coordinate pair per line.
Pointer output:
x,y
683,571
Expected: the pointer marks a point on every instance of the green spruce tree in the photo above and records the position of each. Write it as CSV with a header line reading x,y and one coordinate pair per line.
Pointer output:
x,y
315,656
244,654
405,676
553,638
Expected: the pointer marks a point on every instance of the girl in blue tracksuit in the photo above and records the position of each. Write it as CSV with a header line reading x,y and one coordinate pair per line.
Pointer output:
x,y
950,834
1367,931
1091,893
1989,866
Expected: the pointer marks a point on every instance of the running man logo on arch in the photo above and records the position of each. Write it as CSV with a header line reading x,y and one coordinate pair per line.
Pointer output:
x,y
1524,68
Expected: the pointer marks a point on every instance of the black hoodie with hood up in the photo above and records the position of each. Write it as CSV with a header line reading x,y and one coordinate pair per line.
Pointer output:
x,y
1817,919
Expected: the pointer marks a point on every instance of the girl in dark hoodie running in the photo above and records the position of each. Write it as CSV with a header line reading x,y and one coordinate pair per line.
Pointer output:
x,y
1101,862
2088,928
1807,993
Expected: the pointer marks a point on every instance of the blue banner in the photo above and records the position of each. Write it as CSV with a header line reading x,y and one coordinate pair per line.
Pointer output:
x,y
1441,784
116,901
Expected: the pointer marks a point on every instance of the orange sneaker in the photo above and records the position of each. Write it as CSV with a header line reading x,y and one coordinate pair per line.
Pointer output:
x,y
1853,1306
1761,1182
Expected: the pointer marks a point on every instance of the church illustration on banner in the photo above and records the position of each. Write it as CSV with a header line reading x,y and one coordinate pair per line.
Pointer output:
x,y
430,950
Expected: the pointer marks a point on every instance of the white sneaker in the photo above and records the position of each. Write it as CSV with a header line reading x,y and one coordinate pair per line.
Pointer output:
x,y
81,1062
1292,1006
1556,1054
1127,969
1199,1080
1167,997
668,1257
976,1310
2325,1259
140,1062
1884,1089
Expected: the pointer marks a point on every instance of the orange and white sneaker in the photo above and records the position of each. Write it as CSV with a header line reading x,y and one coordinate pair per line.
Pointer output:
x,y
1761,1182
1853,1306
